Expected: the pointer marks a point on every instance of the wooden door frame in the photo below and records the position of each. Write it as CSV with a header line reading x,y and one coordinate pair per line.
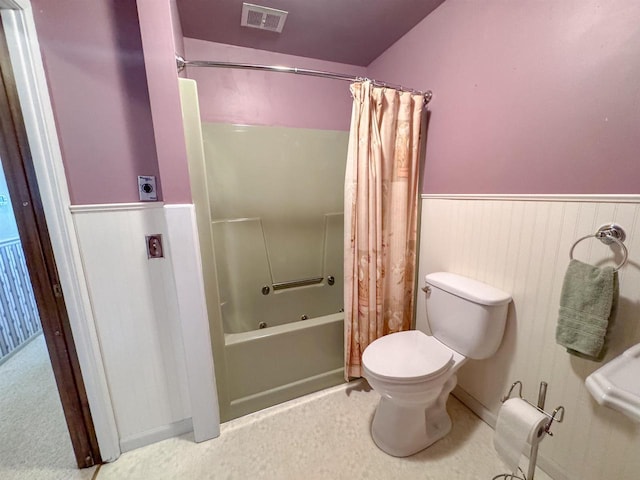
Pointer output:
x,y
36,245
48,173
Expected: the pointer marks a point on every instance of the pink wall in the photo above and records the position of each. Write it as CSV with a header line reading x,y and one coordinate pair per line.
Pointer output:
x,y
267,98
529,96
157,28
93,60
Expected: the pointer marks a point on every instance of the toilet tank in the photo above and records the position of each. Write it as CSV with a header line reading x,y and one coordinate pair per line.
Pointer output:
x,y
466,315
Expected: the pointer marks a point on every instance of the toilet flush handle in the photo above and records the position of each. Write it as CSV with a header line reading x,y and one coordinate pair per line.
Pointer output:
x,y
426,289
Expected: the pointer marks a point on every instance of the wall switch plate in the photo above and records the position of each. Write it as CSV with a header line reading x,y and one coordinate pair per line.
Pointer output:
x,y
147,188
154,246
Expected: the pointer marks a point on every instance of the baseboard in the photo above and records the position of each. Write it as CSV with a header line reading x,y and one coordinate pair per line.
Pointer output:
x,y
550,467
156,435
486,415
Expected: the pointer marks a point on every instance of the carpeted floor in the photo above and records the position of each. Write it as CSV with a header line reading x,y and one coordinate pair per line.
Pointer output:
x,y
34,441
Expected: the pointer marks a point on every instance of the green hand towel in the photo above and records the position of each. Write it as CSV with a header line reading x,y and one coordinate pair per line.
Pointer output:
x,y
588,295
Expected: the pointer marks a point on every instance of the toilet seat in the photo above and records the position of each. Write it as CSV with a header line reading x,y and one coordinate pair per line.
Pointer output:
x,y
407,357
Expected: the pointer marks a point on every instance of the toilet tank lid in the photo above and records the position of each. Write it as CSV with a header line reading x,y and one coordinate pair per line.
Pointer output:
x,y
468,288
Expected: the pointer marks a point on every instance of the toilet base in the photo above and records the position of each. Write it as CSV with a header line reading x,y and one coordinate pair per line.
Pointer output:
x,y
402,430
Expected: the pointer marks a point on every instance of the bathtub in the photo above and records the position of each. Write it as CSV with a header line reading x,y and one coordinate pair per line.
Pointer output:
x,y
276,364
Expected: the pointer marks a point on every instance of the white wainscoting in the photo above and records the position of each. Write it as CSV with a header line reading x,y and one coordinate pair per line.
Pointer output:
x,y
136,311
522,246
187,268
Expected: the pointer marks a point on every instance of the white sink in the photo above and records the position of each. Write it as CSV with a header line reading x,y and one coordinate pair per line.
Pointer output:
x,y
617,384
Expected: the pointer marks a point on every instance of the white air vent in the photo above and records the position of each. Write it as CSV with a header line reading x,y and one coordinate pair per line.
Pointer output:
x,y
264,18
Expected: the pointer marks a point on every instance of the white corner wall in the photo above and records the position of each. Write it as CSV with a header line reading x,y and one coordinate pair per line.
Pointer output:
x,y
522,246
135,305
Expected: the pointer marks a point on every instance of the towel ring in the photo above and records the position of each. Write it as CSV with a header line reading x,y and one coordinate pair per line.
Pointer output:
x,y
607,234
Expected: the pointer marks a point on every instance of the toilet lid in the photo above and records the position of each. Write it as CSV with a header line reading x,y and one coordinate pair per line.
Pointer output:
x,y
409,356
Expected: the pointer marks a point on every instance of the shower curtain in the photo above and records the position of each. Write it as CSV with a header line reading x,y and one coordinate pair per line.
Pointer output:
x,y
381,206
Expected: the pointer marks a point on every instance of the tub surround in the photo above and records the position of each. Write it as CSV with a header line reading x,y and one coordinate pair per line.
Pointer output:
x,y
276,201
259,241
192,128
275,364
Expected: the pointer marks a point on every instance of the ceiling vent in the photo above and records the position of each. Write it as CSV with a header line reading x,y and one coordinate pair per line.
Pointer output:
x,y
264,18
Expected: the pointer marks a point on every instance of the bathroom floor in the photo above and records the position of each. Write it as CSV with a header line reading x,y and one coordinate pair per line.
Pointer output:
x,y
34,440
324,435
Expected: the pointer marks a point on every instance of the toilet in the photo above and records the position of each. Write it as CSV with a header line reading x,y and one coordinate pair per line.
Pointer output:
x,y
414,372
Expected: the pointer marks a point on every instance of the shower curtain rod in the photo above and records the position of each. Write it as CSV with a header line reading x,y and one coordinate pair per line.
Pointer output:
x,y
182,63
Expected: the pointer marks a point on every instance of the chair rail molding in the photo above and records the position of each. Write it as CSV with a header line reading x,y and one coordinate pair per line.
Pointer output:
x,y
538,197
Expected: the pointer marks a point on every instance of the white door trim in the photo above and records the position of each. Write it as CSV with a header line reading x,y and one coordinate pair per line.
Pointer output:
x,y
19,26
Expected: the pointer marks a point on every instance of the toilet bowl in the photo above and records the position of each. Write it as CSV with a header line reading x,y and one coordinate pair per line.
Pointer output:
x,y
414,373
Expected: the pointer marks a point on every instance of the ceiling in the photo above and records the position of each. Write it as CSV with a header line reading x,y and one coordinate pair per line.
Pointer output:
x,y
347,31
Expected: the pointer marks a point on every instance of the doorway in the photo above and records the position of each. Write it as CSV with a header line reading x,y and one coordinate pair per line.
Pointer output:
x,y
39,258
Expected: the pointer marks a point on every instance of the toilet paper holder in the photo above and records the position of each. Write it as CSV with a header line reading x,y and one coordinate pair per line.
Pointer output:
x,y
556,416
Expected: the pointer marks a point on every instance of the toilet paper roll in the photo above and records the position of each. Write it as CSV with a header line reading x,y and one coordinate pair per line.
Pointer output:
x,y
519,426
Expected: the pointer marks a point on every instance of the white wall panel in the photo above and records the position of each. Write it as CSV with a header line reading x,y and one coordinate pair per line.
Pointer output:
x,y
137,318
187,269
522,246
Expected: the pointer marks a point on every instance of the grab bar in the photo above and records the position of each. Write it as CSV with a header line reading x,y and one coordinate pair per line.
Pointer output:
x,y
297,283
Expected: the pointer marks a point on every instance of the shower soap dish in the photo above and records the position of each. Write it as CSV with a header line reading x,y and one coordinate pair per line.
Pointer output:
x,y
617,384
